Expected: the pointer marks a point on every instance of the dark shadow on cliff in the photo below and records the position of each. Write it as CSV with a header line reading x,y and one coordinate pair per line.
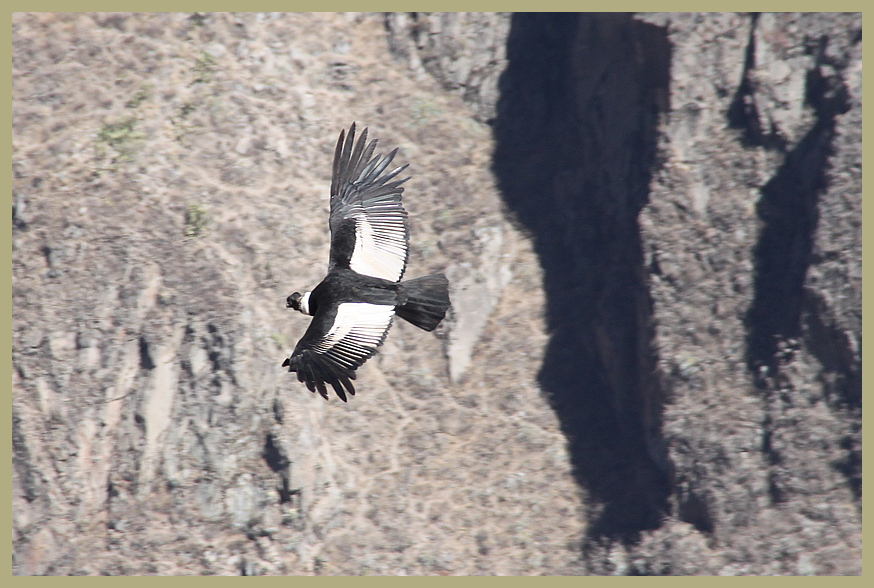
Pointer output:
x,y
575,133
789,212
784,313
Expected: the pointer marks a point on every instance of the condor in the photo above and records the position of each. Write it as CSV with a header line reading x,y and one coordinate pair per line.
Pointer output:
x,y
353,307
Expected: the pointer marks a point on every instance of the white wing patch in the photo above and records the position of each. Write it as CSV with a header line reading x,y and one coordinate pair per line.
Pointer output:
x,y
358,329
380,241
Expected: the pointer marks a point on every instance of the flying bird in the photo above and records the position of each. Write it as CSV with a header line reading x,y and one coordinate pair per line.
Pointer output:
x,y
353,306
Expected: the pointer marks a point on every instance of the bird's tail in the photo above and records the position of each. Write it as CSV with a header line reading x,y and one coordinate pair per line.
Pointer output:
x,y
427,300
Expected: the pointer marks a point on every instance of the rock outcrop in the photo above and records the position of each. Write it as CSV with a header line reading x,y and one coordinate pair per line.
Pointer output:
x,y
652,225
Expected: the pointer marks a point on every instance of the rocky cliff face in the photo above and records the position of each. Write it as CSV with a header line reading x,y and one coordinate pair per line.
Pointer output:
x,y
652,225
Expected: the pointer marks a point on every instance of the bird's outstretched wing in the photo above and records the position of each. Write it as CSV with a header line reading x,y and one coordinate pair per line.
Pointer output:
x,y
369,231
333,347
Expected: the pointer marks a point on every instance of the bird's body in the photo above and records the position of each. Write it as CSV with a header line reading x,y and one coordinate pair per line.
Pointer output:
x,y
353,307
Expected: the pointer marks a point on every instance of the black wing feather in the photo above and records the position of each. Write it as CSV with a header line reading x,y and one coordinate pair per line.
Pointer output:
x,y
369,231
330,375
337,343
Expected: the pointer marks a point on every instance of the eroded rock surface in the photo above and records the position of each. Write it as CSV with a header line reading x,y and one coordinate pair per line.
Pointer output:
x,y
652,225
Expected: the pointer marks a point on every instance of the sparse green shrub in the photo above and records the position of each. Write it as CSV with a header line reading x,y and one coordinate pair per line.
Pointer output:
x,y
196,221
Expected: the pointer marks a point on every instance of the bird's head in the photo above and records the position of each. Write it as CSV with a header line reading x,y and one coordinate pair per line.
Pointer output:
x,y
298,302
